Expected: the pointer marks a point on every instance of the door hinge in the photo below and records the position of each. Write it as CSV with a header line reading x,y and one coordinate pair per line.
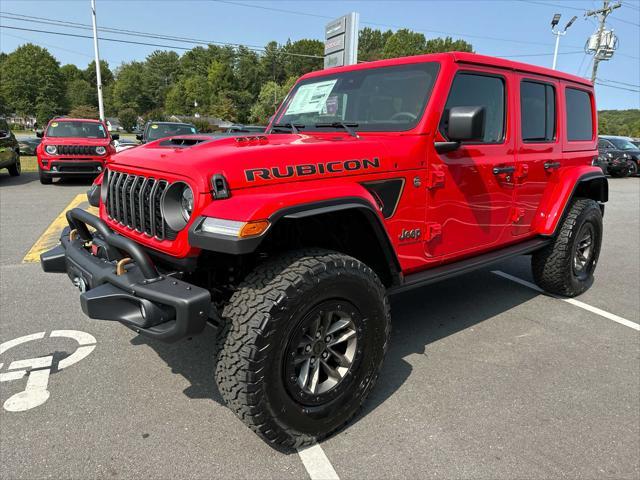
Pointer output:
x,y
433,230
517,214
435,179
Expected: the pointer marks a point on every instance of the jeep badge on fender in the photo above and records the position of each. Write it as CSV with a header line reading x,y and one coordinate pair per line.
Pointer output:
x,y
292,244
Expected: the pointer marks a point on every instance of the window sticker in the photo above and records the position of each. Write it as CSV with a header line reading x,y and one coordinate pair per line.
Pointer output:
x,y
54,124
193,130
154,126
311,98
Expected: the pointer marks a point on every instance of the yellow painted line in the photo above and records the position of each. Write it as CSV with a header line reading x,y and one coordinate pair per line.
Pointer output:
x,y
51,235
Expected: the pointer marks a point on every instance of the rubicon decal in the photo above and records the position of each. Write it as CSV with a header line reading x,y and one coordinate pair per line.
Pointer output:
x,y
306,169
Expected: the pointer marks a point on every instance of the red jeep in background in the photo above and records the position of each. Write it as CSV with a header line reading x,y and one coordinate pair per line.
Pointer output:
x,y
72,147
370,180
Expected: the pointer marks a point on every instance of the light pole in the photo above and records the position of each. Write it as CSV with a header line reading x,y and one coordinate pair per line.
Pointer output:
x,y
559,33
97,54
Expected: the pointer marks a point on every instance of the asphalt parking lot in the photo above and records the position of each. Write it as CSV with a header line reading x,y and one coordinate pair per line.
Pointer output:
x,y
485,377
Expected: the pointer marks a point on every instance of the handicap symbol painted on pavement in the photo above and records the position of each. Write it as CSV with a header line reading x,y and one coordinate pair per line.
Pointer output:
x,y
38,369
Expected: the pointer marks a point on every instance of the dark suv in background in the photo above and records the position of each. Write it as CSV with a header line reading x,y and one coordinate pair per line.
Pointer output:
x,y
618,155
157,130
9,150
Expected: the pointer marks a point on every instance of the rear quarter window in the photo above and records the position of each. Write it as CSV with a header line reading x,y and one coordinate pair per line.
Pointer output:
x,y
579,115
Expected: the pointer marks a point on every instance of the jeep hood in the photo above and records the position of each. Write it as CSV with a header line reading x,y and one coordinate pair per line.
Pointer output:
x,y
248,161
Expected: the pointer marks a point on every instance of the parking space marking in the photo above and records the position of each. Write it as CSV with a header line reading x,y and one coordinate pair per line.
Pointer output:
x,y
51,235
572,301
317,464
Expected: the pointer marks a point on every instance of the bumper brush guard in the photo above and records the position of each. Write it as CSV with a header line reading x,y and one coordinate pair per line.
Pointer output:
x,y
123,284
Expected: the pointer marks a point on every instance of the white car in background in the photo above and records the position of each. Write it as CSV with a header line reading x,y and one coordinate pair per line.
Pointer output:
x,y
125,144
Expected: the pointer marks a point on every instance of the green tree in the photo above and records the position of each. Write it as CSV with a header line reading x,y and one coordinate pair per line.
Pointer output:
x,y
31,81
84,111
162,69
270,97
302,56
272,63
447,44
404,43
45,110
71,72
128,89
128,118
106,75
371,44
80,92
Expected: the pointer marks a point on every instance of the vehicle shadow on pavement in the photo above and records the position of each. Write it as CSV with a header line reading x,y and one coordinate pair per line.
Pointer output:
x,y
419,318
192,358
426,315
22,179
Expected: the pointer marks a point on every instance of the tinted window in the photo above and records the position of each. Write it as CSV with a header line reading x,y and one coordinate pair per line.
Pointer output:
x,y
537,112
164,130
377,99
579,117
76,129
471,90
602,144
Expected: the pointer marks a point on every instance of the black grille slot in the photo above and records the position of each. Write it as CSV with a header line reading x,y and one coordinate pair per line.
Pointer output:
x,y
76,150
135,202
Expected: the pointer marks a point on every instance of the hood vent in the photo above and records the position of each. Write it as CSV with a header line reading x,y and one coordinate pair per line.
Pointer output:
x,y
182,142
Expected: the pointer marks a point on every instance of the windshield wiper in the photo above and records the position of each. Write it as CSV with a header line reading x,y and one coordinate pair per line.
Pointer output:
x,y
294,127
348,126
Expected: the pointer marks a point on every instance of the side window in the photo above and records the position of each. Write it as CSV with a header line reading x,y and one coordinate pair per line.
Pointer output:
x,y
537,111
477,90
579,115
603,144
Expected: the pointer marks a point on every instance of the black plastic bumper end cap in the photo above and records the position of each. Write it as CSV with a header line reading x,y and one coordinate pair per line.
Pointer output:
x,y
53,261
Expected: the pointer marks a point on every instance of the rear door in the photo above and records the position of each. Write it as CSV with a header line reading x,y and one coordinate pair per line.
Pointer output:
x,y
538,148
471,209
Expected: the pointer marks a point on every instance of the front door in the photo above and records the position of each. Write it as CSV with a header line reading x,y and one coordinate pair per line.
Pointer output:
x,y
470,204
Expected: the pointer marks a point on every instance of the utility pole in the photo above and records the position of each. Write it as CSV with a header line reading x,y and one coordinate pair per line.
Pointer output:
x,y
559,33
602,51
97,54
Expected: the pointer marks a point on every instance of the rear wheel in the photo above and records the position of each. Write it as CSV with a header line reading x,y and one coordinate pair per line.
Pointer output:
x,y
633,168
566,266
16,168
44,178
302,345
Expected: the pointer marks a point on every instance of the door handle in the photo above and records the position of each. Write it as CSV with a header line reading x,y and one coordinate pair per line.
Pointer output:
x,y
550,165
503,170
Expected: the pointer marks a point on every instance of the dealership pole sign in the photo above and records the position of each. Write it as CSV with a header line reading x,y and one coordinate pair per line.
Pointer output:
x,y
341,41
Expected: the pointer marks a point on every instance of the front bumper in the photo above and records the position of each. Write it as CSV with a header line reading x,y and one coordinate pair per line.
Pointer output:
x,y
131,291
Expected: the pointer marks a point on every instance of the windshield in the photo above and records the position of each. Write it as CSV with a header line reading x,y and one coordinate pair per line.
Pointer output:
x,y
377,100
623,144
163,130
76,129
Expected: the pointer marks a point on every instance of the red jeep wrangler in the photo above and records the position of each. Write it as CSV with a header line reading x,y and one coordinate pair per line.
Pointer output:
x,y
370,180
72,147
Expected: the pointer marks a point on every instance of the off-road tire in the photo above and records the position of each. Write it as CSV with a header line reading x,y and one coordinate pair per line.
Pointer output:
x,y
44,178
553,267
254,339
16,168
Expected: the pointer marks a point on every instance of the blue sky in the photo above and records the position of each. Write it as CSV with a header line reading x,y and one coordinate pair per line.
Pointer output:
x,y
508,28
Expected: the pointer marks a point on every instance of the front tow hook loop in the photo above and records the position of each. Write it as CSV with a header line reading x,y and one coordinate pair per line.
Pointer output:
x,y
73,234
120,270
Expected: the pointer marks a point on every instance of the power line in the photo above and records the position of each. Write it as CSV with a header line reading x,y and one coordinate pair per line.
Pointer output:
x,y
620,83
616,87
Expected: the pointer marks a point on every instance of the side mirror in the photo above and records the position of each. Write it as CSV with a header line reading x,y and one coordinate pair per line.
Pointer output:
x,y
39,133
139,137
115,136
4,133
465,124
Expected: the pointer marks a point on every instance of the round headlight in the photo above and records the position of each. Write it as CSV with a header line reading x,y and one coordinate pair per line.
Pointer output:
x,y
186,201
101,150
51,149
177,205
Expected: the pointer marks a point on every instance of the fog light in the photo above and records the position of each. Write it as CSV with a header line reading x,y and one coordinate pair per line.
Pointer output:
x,y
55,169
99,168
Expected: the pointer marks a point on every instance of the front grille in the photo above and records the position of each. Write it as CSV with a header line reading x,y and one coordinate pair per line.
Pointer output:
x,y
134,201
76,150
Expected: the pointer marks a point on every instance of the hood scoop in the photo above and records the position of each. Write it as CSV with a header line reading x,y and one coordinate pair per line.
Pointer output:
x,y
252,140
182,142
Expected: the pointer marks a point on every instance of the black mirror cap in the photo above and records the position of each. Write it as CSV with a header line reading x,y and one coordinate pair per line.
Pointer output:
x,y
40,133
139,137
466,124
115,136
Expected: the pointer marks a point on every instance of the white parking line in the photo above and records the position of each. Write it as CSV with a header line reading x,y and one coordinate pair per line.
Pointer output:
x,y
572,301
317,464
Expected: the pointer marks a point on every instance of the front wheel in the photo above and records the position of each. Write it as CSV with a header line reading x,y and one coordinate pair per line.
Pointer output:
x,y
302,344
44,178
566,266
16,168
633,168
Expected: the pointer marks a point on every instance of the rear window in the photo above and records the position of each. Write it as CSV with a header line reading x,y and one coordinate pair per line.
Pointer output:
x,y
579,115
538,111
